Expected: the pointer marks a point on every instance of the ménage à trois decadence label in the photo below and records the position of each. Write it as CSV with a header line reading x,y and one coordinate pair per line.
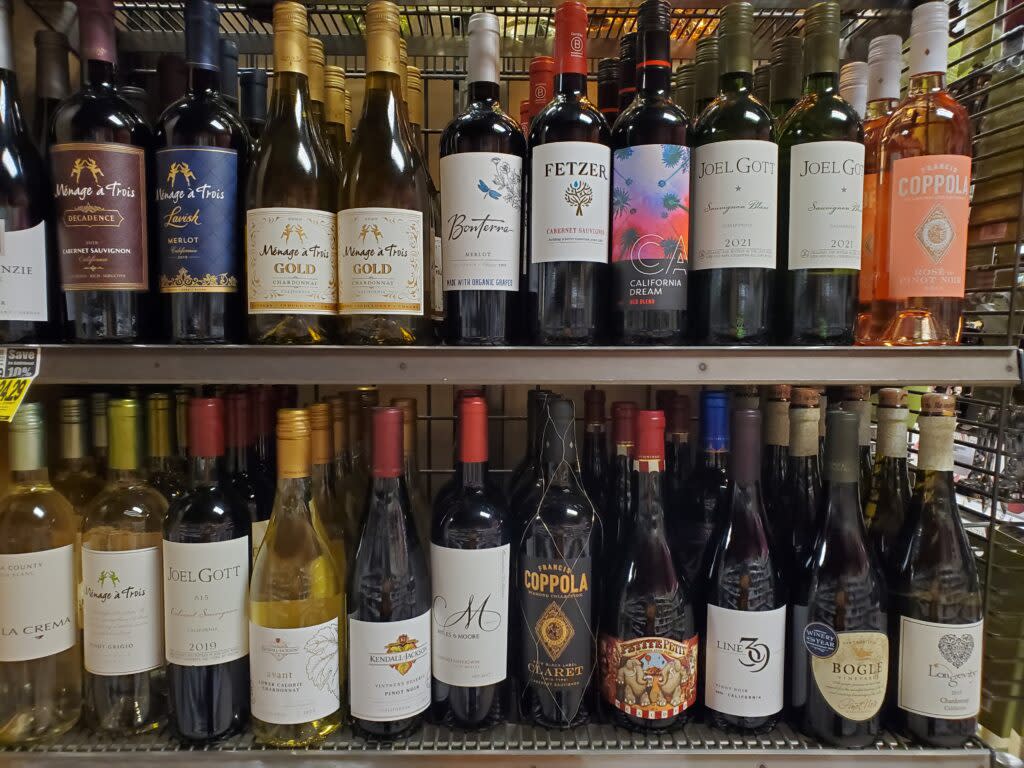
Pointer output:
x,y
100,200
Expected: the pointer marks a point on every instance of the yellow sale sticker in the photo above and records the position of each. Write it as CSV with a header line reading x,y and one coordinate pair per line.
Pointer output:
x,y
18,368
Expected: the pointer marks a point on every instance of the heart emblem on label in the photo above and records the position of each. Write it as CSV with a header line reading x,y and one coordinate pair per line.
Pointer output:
x,y
956,649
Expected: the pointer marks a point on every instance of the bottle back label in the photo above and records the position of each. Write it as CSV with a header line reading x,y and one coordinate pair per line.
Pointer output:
x,y
653,678
205,595
196,194
23,278
291,255
122,611
37,591
651,226
826,202
940,669
570,184
294,672
745,661
100,200
470,615
849,669
481,221
380,261
389,668
928,214
735,194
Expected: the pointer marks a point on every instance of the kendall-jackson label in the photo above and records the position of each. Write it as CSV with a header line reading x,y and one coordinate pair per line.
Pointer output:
x,y
380,261
735,194
23,273
653,678
37,592
196,193
389,668
481,221
291,254
100,201
570,183
826,200
940,669
650,226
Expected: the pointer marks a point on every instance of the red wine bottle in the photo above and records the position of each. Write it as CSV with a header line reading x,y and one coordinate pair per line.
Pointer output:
x,y
470,565
678,460
482,153
775,457
627,70
254,101
651,200
608,89
528,474
596,465
620,495
746,599
886,509
249,485
648,646
857,398
53,83
570,189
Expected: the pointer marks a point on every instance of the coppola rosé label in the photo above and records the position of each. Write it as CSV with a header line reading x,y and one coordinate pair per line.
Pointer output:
x,y
653,678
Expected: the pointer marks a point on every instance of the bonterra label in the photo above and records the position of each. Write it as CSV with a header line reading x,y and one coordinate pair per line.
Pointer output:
x,y
653,678
380,261
940,668
100,201
850,669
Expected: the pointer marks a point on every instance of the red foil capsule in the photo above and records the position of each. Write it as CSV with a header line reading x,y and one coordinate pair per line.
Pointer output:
x,y
571,38
542,83
650,436
206,427
387,442
472,430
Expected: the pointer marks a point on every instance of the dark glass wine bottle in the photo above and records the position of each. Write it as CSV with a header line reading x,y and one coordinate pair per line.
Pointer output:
x,y
706,74
844,634
163,472
775,458
560,539
482,152
608,89
343,476
99,157
627,70
250,486
620,483
735,189
596,465
785,75
202,154
762,84
228,51
886,509
389,599
857,399
254,101
746,598
263,415
683,92
206,584
648,647
53,84
936,612
470,565
570,188
678,455
651,197
527,473
821,178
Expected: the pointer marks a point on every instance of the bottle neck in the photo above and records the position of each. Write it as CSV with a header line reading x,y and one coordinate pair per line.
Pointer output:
x,y
30,477
736,82
473,474
648,504
237,459
124,475
203,80
654,67
383,102
571,84
844,506
10,111
879,108
715,459
654,80
821,83
290,99
204,471
99,75
926,82
483,92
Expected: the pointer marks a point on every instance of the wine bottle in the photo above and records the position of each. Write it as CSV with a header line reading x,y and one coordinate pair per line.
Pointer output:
x,y
570,181
734,248
706,74
75,476
936,614
295,601
249,485
414,484
524,116
228,56
98,406
358,405
620,484
322,477
608,89
481,235
389,599
924,183
542,88
385,195
648,648
40,658
678,459
886,509
172,77
683,91
291,258
527,475
560,540
857,398
596,466
254,101
853,86
763,83
746,598
844,634
201,158
124,637
651,199
627,70
343,475
99,152
206,581
182,396
785,74
542,84
775,458
162,471
451,485
821,175
822,424
317,110
334,113
470,552
53,84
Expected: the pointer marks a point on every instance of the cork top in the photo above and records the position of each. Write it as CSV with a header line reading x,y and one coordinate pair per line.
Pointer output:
x,y
892,397
938,404
780,392
805,397
857,392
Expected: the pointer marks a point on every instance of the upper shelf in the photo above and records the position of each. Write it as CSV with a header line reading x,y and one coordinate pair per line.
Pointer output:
x,y
161,364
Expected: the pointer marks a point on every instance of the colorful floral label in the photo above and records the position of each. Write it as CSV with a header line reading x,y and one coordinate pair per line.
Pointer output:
x,y
653,678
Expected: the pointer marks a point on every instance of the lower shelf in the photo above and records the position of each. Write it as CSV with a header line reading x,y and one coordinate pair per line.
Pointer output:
x,y
506,746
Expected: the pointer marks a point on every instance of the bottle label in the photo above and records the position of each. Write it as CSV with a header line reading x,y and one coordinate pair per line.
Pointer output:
x,y
653,678
294,672
481,221
259,532
651,226
745,661
196,194
868,257
23,278
205,595
570,185
122,611
928,218
558,643
380,258
850,669
826,201
389,668
291,257
470,614
100,202
940,669
735,192
37,591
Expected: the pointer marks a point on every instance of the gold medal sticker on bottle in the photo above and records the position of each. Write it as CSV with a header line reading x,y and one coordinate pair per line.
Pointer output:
x,y
853,678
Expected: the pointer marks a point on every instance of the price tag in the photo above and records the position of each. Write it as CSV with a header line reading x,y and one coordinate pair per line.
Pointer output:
x,y
18,368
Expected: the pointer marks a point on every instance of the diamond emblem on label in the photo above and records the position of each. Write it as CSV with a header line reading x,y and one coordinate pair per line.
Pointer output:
x,y
935,234
956,649
554,630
